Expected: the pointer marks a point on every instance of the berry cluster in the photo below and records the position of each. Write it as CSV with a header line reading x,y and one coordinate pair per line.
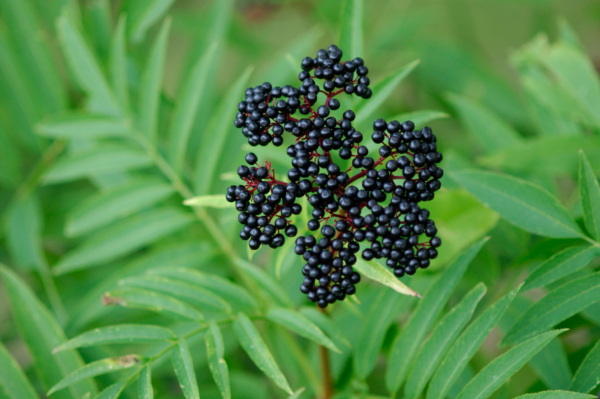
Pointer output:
x,y
328,162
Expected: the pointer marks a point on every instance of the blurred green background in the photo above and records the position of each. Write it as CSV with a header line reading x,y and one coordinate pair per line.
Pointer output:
x,y
100,142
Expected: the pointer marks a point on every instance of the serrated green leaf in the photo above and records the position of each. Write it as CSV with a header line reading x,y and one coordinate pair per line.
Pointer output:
x,y
119,334
300,325
373,270
85,68
98,367
187,292
381,91
83,126
381,315
145,390
209,201
587,376
558,305
491,131
504,366
106,207
13,382
408,341
153,301
561,264
231,292
123,238
268,285
184,369
556,395
31,318
214,352
325,323
589,190
151,83
118,63
112,391
257,350
521,203
552,366
465,346
97,160
351,29
441,338
185,110
213,144
153,11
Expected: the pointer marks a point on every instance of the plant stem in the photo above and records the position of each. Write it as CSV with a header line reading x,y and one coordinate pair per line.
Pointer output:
x,y
325,369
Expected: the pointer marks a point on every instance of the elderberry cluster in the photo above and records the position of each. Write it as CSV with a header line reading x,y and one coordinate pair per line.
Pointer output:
x,y
354,197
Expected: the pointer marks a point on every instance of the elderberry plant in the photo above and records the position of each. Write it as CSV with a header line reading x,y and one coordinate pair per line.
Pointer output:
x,y
375,200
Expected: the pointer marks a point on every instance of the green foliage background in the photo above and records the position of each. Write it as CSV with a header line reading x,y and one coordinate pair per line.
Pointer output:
x,y
114,112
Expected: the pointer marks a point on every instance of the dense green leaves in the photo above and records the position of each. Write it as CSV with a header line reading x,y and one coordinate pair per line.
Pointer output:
x,y
521,203
555,307
406,345
465,347
258,351
587,376
504,366
590,197
32,318
119,334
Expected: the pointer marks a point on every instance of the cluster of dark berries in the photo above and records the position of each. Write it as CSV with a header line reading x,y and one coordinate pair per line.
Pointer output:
x,y
355,198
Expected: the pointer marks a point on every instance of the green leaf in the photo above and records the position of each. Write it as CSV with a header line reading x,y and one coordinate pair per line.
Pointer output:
x,y
590,196
552,366
209,201
325,323
153,11
420,118
268,285
41,333
504,366
257,350
112,391
118,63
381,91
145,390
23,226
94,161
215,352
187,292
83,126
556,395
373,270
561,264
442,336
106,207
184,369
124,238
213,144
185,110
119,334
13,382
231,292
99,367
150,300
299,324
491,131
521,203
587,376
351,30
465,346
560,304
151,83
408,341
85,68
384,310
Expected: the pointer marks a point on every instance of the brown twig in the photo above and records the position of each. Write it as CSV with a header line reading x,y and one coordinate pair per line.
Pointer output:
x,y
325,369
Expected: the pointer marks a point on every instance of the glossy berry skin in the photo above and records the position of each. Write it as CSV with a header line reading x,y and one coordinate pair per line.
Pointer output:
x,y
363,203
